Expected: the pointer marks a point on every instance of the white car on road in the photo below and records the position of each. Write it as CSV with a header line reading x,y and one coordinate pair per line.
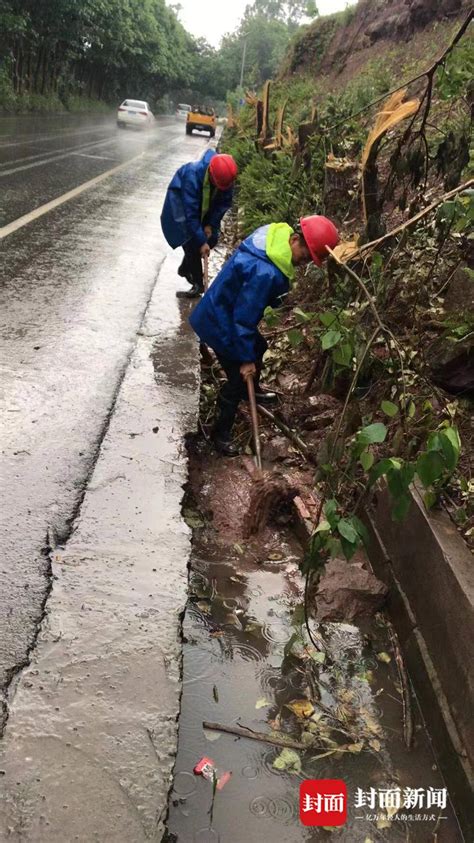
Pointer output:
x,y
182,110
135,113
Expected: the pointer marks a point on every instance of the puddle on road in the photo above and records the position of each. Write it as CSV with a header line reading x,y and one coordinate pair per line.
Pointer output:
x,y
239,670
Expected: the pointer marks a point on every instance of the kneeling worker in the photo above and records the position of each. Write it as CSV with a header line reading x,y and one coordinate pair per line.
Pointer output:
x,y
256,276
197,198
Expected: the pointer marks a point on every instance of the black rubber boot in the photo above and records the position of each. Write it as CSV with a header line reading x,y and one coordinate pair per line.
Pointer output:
x,y
194,293
224,445
266,399
221,433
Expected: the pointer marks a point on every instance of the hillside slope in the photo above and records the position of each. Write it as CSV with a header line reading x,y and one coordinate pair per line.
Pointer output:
x,y
399,33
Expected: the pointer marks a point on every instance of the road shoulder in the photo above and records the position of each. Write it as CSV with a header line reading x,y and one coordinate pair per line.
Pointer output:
x,y
89,748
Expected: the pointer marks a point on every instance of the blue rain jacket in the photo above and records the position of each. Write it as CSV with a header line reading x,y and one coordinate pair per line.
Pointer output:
x,y
227,316
181,218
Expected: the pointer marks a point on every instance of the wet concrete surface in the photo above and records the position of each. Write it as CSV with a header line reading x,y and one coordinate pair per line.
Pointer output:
x,y
74,287
89,747
243,666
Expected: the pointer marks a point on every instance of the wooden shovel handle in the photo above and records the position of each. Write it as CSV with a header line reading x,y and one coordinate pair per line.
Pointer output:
x,y
206,272
254,415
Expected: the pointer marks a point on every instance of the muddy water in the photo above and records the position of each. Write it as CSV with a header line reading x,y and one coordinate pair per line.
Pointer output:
x,y
239,619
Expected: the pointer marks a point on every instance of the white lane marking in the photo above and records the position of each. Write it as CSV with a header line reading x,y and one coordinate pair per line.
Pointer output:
x,y
99,157
51,152
52,160
66,197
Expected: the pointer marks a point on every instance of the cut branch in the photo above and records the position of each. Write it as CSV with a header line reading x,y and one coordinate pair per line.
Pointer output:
x,y
408,224
290,434
245,732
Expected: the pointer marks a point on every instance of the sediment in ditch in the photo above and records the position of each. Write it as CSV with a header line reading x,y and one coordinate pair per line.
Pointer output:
x,y
247,661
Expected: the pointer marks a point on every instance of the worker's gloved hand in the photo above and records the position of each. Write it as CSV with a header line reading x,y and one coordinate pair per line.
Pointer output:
x,y
205,250
247,369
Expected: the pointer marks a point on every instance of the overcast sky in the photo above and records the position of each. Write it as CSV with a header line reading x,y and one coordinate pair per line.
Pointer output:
x,y
211,19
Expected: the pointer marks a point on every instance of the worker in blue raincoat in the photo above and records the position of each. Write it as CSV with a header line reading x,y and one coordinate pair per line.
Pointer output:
x,y
196,200
257,275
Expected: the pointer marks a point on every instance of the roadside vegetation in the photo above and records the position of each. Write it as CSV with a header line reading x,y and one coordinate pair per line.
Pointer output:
x,y
389,335
80,55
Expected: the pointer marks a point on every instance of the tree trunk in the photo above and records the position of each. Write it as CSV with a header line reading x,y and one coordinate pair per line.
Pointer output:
x,y
20,69
45,71
37,69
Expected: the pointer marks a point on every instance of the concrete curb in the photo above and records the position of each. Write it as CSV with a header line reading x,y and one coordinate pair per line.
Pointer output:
x,y
429,571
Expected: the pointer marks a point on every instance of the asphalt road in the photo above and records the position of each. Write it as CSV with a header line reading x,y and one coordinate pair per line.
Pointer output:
x,y
75,279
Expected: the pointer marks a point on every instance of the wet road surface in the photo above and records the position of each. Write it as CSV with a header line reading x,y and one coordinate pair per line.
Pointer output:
x,y
46,158
74,285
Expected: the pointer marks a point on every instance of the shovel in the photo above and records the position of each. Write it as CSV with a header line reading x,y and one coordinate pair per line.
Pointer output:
x,y
268,488
206,272
253,412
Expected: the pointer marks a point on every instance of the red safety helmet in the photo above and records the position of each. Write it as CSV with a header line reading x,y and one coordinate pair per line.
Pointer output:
x,y
223,171
319,232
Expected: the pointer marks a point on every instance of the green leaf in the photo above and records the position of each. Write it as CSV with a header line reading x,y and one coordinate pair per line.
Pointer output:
x,y
401,507
366,460
297,618
383,467
272,317
302,316
327,318
389,408
348,548
342,355
371,434
377,261
323,526
430,467
329,339
289,644
295,337
429,499
399,479
345,528
330,511
361,529
288,760
451,446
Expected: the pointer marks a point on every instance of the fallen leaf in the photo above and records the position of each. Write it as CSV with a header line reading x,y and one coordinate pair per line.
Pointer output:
x,y
375,744
211,736
215,693
302,708
275,557
288,760
193,518
355,747
318,656
384,657
232,620
239,549
262,703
